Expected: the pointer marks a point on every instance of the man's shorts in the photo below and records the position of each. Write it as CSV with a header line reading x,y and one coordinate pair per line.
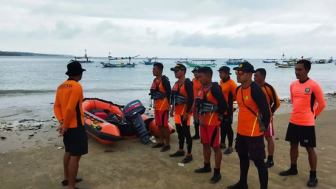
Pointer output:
x,y
270,130
76,141
253,146
303,134
161,117
210,135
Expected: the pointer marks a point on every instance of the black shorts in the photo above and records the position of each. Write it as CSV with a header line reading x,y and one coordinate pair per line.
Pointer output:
x,y
303,134
76,141
253,146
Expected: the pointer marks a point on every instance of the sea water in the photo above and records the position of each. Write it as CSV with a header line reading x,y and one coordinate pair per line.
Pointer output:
x,y
28,84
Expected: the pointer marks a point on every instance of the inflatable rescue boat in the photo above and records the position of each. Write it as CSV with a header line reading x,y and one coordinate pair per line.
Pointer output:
x,y
108,122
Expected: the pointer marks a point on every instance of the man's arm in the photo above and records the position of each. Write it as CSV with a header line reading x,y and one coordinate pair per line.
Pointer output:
x,y
166,86
57,109
276,100
218,95
260,99
317,90
190,92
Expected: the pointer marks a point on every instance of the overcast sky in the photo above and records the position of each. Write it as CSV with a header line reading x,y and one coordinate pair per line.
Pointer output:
x,y
171,28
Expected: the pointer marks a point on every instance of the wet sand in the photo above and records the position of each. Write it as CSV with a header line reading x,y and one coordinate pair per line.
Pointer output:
x,y
34,162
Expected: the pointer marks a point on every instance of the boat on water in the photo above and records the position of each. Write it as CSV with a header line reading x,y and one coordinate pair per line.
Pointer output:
x,y
109,64
285,65
120,65
235,61
108,122
182,61
270,61
150,61
83,59
202,63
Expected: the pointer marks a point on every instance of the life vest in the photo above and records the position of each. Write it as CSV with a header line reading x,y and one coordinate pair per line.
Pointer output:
x,y
155,91
205,102
179,94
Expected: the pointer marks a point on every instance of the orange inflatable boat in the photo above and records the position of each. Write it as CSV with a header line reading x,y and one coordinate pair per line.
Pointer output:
x,y
108,122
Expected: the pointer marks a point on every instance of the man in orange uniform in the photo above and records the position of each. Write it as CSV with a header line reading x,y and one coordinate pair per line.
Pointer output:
x,y
69,112
197,86
182,99
308,102
160,93
229,91
253,119
274,103
211,105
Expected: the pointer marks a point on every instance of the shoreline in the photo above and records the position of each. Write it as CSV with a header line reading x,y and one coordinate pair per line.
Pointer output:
x,y
145,167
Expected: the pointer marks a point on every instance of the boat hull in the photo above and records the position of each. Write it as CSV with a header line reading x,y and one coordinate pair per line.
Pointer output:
x,y
108,133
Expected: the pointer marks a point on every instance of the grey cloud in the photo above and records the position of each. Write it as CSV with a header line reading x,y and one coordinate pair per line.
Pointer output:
x,y
64,31
221,41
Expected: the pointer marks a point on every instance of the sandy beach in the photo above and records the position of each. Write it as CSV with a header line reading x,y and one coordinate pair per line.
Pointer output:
x,y
31,159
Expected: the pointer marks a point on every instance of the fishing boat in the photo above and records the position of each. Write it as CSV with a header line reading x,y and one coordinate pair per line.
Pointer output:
x,y
150,61
108,122
285,65
270,61
84,59
182,61
119,65
235,61
202,63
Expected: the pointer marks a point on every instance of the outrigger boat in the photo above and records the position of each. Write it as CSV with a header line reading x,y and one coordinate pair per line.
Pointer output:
x,y
202,63
86,59
183,61
150,61
235,61
270,61
119,65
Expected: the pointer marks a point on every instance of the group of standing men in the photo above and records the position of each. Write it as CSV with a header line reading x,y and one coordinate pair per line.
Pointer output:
x,y
211,105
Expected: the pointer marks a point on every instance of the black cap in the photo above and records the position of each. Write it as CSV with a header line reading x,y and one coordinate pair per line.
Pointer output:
x,y
224,69
196,69
74,68
178,67
246,67
205,70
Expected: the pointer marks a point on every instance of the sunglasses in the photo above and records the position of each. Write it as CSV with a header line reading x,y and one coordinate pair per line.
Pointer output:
x,y
240,72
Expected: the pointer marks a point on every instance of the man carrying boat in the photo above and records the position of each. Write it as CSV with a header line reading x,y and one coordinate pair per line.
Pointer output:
x,y
274,103
160,93
229,91
196,86
211,105
182,99
69,112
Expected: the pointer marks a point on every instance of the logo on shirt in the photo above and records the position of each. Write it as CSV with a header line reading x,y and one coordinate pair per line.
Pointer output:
x,y
246,97
307,90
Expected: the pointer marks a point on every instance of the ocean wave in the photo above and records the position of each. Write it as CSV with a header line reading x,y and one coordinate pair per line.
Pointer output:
x,y
24,91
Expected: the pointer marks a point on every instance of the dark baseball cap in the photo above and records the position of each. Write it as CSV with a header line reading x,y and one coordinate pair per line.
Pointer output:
x,y
178,67
246,67
224,69
196,69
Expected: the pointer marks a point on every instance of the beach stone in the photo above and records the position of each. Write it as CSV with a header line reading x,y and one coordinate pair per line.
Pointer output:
x,y
3,138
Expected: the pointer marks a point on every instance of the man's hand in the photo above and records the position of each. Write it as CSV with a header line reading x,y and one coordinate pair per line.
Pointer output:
x,y
61,130
220,117
171,113
185,116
